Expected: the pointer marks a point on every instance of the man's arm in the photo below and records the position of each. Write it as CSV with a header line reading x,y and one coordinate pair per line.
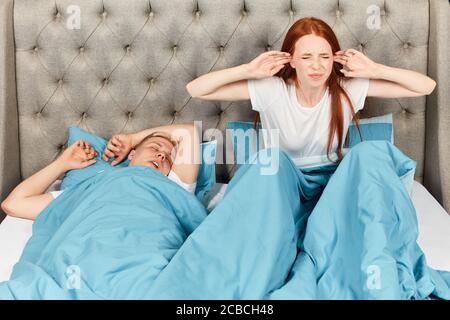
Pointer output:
x,y
27,200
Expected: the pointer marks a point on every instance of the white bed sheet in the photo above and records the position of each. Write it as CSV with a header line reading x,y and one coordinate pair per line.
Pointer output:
x,y
433,221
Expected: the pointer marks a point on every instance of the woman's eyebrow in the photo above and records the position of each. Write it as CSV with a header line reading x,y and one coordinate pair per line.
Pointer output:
x,y
308,53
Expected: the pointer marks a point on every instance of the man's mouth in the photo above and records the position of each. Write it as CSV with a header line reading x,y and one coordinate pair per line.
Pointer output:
x,y
155,164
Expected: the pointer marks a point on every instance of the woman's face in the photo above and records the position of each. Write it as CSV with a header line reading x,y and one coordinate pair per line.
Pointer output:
x,y
312,60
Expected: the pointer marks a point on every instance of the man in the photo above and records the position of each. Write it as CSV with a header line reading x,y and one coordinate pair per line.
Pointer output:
x,y
172,150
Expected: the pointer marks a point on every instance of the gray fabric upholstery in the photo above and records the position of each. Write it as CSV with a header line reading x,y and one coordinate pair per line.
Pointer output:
x,y
9,138
126,69
437,151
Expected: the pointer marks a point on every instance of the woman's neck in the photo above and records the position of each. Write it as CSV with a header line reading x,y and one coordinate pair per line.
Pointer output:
x,y
309,96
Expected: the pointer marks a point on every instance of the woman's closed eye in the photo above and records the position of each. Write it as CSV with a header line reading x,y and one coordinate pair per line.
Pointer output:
x,y
324,57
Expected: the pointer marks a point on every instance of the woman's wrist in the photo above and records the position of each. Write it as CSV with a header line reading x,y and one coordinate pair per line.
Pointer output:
x,y
379,71
246,71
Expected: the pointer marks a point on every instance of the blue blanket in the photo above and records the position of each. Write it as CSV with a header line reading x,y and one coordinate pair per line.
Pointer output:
x,y
107,238
330,232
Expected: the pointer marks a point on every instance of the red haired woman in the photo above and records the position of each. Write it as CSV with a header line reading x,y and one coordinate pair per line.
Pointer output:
x,y
311,89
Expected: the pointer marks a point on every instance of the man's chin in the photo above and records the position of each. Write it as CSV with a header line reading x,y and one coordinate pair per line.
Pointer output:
x,y
148,165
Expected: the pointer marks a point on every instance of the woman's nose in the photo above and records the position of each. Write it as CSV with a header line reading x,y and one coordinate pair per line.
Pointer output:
x,y
315,64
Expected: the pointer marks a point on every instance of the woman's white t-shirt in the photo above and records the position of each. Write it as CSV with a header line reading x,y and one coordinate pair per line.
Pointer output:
x,y
303,131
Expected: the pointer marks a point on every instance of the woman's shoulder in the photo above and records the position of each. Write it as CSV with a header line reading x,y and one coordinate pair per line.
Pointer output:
x,y
268,81
357,89
352,85
263,92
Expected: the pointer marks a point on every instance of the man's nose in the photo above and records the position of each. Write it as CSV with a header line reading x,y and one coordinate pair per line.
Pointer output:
x,y
162,156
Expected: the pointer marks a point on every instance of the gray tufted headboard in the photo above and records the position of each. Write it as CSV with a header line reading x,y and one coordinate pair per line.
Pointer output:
x,y
125,68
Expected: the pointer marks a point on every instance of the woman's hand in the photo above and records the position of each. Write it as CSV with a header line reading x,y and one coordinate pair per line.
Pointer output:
x,y
267,64
356,64
79,155
118,147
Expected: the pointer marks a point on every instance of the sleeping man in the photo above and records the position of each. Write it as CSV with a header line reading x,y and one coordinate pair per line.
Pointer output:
x,y
110,235
171,150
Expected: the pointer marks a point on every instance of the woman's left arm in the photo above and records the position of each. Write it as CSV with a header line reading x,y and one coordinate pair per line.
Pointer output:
x,y
385,81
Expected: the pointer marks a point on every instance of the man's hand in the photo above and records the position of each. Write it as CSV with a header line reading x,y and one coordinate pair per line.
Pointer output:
x,y
118,147
78,155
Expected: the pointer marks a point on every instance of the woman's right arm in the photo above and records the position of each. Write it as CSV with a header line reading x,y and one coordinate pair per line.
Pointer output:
x,y
231,84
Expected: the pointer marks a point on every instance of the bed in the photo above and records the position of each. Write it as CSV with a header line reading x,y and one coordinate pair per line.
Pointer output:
x,y
434,224
126,66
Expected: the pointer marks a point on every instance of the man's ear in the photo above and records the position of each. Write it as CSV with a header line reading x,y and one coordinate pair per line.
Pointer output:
x,y
131,155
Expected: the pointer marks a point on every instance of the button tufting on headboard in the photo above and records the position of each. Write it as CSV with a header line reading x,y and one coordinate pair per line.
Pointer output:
x,y
137,64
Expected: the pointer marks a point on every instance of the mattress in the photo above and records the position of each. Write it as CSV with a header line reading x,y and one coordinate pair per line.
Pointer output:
x,y
433,222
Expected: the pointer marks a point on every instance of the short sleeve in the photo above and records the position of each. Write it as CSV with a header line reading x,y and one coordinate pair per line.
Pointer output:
x,y
264,91
56,193
357,89
189,187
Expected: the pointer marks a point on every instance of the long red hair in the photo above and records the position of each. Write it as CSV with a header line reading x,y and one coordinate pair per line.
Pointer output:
x,y
311,25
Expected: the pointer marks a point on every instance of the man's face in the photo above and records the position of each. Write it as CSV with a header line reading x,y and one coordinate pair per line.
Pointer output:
x,y
156,153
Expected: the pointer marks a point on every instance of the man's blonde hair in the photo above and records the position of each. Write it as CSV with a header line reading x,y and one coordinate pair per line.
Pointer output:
x,y
158,134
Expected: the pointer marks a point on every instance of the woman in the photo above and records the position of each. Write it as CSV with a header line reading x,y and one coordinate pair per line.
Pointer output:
x,y
304,92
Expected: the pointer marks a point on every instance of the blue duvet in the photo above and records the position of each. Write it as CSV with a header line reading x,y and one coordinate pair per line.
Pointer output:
x,y
330,232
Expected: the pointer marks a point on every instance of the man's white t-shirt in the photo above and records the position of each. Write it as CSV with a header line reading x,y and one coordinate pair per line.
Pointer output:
x,y
172,176
303,131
